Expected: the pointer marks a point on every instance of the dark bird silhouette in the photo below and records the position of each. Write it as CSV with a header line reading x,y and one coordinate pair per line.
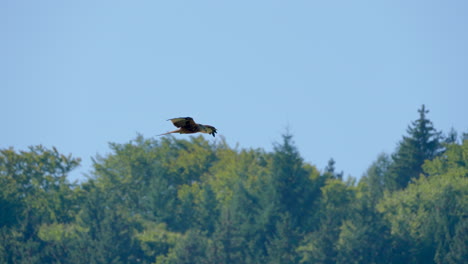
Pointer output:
x,y
186,125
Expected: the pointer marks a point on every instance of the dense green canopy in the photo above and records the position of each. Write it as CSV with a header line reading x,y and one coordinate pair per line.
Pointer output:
x,y
192,200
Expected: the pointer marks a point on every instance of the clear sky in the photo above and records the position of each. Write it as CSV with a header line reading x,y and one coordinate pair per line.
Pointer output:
x,y
346,77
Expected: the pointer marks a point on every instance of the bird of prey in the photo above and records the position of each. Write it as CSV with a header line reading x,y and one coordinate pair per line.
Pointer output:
x,y
186,125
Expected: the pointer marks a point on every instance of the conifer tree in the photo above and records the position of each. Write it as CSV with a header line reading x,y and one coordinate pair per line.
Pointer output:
x,y
240,235
330,170
291,186
422,143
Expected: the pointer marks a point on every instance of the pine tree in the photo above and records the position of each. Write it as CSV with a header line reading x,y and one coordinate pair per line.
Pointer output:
x,y
422,143
292,190
240,235
282,246
228,243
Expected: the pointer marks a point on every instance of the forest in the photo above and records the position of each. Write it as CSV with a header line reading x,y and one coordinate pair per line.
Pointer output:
x,y
191,200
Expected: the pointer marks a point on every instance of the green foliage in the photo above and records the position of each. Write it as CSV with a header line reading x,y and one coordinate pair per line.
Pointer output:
x,y
282,245
189,249
427,214
155,239
171,200
319,245
294,187
364,236
34,193
374,178
421,144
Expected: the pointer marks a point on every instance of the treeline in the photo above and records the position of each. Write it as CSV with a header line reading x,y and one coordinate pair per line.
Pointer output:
x,y
171,200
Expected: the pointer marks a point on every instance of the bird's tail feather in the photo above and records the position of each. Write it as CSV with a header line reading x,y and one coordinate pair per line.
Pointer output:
x,y
175,131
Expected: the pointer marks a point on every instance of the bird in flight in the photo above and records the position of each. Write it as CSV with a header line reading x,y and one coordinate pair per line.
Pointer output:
x,y
186,125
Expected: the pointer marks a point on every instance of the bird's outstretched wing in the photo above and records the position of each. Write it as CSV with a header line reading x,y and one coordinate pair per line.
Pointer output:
x,y
184,122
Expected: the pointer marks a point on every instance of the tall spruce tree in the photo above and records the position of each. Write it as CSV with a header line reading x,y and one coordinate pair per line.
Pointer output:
x,y
292,188
422,143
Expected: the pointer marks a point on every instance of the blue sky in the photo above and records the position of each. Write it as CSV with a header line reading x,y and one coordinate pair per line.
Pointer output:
x,y
346,77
